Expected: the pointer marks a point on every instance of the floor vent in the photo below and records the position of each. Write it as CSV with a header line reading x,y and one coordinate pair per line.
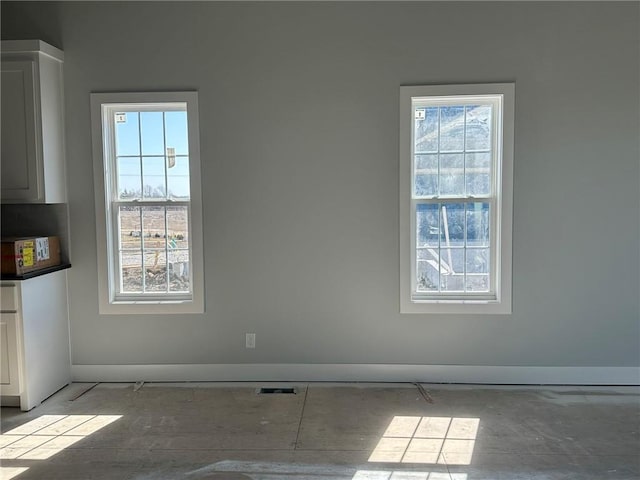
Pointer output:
x,y
279,390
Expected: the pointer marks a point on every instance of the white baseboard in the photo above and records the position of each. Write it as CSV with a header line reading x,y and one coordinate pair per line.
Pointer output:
x,y
489,375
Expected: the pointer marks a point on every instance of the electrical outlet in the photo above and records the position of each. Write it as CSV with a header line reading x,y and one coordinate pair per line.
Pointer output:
x,y
250,340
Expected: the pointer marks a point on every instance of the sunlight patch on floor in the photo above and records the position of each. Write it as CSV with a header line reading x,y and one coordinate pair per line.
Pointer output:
x,y
7,473
47,435
433,440
395,475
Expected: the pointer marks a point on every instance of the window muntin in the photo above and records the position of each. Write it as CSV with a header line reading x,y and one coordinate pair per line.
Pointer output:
x,y
151,208
454,197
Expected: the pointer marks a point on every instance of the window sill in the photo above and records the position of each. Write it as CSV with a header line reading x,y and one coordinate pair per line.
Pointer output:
x,y
151,307
471,306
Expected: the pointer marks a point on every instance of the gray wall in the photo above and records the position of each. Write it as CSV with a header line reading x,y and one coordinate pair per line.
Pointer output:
x,y
299,140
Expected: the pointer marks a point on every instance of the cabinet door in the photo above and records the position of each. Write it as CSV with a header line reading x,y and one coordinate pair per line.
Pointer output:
x,y
9,369
20,170
8,297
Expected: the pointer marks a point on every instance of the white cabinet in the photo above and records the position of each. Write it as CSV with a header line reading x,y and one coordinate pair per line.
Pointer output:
x,y
35,361
32,161
9,362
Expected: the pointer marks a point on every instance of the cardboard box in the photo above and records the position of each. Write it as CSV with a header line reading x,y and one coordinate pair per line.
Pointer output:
x,y
24,255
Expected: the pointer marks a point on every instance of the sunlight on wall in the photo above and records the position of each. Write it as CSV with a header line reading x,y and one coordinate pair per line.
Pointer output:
x,y
47,435
435,440
394,475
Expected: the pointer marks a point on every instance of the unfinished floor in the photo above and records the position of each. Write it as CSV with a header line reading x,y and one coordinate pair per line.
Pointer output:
x,y
323,432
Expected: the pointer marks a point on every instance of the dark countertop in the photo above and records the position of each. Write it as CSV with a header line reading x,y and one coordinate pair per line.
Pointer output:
x,y
36,273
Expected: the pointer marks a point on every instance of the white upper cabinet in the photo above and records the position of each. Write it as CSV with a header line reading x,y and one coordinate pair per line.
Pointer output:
x,y
32,161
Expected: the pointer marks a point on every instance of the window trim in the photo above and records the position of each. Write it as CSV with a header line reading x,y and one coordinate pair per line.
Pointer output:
x,y
100,102
503,178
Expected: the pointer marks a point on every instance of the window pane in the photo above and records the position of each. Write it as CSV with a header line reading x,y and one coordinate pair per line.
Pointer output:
x,y
427,271
451,261
477,283
478,127
452,282
178,179
155,267
477,260
131,266
127,134
478,173
179,269
426,175
176,132
152,132
177,227
164,230
129,185
130,228
443,256
427,225
478,224
153,228
452,231
452,174
451,128
426,129
153,177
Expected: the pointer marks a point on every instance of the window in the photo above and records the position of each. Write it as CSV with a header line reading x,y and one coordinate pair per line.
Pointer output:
x,y
148,205
456,160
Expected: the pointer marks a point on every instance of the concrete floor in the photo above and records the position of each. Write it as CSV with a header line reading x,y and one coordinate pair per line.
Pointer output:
x,y
325,432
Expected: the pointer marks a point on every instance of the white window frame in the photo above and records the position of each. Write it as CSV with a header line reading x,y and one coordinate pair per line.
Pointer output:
x,y
103,107
498,300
